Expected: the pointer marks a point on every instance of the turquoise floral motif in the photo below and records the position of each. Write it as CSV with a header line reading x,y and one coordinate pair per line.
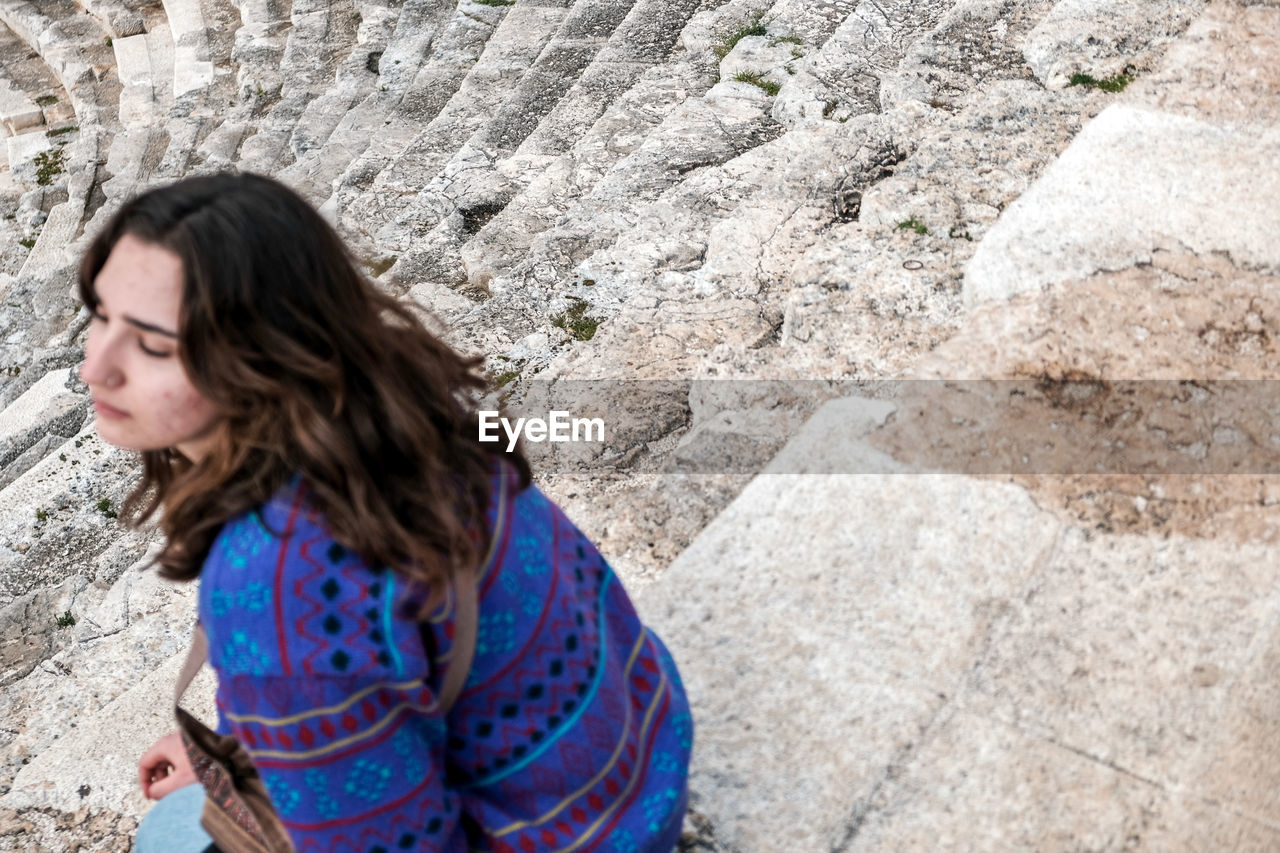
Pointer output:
x,y
496,634
665,762
657,807
326,805
683,725
284,798
367,780
245,540
220,602
255,598
409,748
623,841
242,656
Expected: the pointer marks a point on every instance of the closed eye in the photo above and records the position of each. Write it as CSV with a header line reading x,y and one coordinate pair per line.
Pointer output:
x,y
153,353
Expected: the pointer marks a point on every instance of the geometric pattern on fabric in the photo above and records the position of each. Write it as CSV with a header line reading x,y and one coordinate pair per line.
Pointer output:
x,y
572,730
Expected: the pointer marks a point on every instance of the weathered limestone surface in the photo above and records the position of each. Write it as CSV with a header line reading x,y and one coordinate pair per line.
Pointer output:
x,y
983,656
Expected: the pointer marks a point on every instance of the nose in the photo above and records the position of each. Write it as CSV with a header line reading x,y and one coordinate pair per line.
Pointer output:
x,y
99,368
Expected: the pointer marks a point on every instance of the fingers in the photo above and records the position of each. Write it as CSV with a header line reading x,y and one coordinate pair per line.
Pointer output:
x,y
162,788
164,767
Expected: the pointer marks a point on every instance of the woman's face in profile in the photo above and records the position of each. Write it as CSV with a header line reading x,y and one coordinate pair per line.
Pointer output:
x,y
142,395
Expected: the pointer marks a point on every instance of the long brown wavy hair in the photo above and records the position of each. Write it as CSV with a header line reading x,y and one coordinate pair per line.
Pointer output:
x,y
313,371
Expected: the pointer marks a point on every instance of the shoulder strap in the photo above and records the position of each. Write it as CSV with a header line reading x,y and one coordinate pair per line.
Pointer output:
x,y
195,659
466,609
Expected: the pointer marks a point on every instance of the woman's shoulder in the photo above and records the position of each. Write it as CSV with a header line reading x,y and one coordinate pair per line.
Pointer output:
x,y
279,596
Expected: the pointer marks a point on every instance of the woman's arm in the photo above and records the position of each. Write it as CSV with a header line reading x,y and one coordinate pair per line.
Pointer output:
x,y
349,763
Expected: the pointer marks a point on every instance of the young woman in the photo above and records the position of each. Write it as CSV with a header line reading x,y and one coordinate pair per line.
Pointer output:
x,y
312,452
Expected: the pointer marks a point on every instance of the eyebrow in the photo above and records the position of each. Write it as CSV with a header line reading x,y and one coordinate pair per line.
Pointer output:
x,y
148,327
141,324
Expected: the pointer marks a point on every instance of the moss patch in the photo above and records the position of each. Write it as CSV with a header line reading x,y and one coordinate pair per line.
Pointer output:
x,y
753,27
756,79
1107,84
46,100
49,164
576,322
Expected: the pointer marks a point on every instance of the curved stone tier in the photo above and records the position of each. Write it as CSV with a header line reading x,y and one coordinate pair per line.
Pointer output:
x,y
1071,192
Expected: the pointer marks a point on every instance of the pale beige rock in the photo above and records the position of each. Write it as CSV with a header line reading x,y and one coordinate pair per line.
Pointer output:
x,y
1131,182
848,606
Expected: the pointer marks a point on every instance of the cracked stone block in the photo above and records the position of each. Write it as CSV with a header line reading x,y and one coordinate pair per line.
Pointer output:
x,y
823,619
1131,181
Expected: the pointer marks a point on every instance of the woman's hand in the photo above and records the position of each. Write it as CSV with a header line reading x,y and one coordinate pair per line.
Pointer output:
x,y
164,768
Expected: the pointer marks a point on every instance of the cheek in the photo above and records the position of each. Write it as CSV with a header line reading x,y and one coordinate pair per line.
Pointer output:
x,y
184,410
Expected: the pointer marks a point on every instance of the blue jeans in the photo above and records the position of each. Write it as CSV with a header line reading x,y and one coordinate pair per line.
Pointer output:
x,y
173,824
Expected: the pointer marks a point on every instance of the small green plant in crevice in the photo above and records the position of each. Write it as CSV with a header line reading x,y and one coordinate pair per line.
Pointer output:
x,y
506,377
752,27
66,620
49,164
60,131
27,242
575,320
1107,84
913,224
378,266
828,107
955,232
41,516
755,79
104,506
787,40
108,40
46,100
495,2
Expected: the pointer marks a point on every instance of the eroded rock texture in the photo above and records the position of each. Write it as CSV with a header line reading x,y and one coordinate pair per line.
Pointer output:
x,y
832,196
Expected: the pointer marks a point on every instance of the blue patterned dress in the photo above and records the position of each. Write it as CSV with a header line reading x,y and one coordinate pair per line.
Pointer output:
x,y
572,732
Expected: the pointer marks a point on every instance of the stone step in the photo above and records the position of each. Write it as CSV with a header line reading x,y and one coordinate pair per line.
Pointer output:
x,y
321,35
733,254
372,83
642,40
192,63
956,647
451,55
559,187
115,17
76,52
73,46
579,38
17,112
56,508
46,408
144,64
93,724
517,37
257,47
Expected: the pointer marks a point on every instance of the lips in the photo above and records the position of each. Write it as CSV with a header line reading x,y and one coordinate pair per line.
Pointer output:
x,y
103,410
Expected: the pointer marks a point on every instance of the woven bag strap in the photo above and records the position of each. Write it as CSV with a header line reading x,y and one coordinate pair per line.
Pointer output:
x,y
466,609
195,659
